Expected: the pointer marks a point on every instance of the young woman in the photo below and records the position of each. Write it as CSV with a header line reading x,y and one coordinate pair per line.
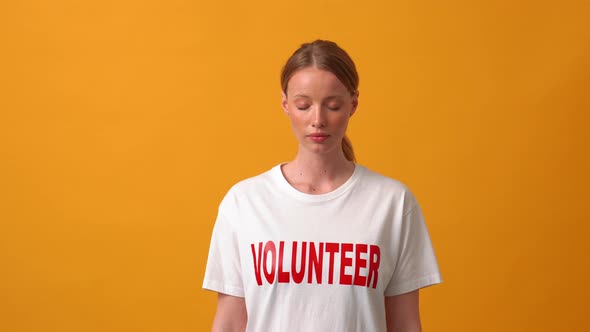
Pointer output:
x,y
319,243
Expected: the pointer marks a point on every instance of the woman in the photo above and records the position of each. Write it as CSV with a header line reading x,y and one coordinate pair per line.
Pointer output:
x,y
319,243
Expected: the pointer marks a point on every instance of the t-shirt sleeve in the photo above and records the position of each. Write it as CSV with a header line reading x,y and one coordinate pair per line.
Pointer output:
x,y
223,273
416,265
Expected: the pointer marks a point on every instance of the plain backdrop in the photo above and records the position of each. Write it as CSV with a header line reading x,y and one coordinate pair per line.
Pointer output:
x,y
123,124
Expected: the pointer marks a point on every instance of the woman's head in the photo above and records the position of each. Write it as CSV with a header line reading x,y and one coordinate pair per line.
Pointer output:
x,y
325,55
318,78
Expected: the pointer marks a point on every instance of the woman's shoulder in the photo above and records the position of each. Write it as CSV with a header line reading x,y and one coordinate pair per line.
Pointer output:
x,y
387,188
255,181
374,178
249,186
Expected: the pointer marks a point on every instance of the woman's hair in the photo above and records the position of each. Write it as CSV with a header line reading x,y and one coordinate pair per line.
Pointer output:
x,y
326,55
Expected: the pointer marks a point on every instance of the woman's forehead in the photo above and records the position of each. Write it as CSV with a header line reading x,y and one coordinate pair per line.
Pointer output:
x,y
308,81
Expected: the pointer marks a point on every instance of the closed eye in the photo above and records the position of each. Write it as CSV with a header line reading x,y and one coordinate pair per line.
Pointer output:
x,y
334,106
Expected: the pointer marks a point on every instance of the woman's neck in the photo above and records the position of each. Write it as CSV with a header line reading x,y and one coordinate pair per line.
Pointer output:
x,y
318,174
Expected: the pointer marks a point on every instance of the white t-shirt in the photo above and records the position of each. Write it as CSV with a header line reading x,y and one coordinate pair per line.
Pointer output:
x,y
319,262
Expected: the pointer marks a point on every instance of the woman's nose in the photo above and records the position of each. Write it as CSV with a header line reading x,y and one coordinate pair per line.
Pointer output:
x,y
319,119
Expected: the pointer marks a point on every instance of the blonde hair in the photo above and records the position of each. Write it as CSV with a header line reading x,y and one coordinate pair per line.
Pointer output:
x,y
326,55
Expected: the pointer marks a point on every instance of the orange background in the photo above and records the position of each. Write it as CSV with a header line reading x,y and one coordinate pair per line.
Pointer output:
x,y
123,123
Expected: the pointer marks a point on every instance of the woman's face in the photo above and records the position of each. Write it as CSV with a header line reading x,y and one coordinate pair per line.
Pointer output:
x,y
319,107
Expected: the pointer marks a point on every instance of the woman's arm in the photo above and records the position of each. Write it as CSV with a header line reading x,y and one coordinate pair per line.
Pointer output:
x,y
402,313
231,314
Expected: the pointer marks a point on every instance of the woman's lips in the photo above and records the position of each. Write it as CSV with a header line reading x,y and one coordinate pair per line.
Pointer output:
x,y
318,137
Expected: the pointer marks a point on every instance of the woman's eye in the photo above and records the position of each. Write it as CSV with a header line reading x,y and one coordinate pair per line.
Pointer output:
x,y
302,108
333,108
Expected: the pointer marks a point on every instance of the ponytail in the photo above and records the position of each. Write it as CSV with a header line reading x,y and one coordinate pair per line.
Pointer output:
x,y
347,149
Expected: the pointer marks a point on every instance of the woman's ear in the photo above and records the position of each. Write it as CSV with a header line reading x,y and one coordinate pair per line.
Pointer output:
x,y
355,102
284,103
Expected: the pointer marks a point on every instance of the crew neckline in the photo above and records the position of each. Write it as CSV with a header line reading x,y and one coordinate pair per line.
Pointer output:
x,y
285,186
